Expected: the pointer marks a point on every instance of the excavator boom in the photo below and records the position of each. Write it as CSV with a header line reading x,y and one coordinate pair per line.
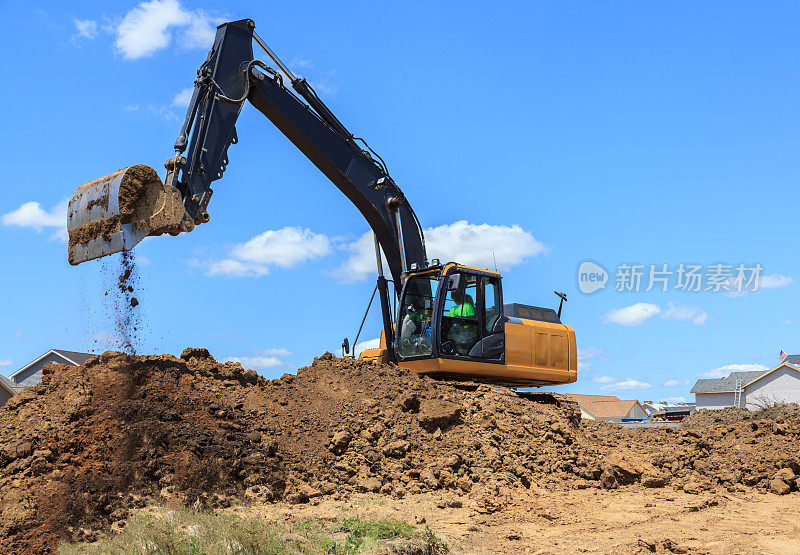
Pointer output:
x,y
229,76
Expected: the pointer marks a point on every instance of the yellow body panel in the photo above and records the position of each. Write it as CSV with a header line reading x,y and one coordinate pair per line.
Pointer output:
x,y
537,353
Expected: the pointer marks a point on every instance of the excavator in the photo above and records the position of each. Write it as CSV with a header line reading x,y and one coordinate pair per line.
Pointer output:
x,y
449,320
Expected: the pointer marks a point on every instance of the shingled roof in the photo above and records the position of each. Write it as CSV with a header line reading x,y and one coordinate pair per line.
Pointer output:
x,y
72,357
605,406
720,385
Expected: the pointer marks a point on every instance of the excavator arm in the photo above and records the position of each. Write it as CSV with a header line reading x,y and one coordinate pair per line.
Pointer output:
x,y
115,212
228,77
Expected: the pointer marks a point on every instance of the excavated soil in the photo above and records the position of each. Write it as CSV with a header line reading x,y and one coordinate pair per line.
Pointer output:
x,y
133,190
89,443
93,230
134,203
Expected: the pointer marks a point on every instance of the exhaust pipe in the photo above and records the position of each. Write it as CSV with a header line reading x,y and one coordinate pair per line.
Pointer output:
x,y
114,213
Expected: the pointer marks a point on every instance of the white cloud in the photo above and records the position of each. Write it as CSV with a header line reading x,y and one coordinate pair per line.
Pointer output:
x,y
262,359
183,97
361,262
625,385
771,281
285,248
86,28
723,371
31,214
163,112
364,345
774,280
477,245
674,400
481,245
149,26
325,83
675,383
585,355
201,31
634,315
604,379
788,322
679,312
6,362
130,107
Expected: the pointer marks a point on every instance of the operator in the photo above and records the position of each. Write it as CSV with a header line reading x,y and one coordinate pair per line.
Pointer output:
x,y
463,307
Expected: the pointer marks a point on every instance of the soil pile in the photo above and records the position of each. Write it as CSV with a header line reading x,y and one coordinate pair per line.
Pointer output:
x,y
90,442
730,415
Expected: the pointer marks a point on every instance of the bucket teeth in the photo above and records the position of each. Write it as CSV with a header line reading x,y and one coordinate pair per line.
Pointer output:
x,y
115,212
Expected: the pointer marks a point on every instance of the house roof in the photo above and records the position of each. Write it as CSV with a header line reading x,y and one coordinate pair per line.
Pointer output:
x,y
792,359
765,374
8,385
722,385
605,406
71,357
74,356
612,409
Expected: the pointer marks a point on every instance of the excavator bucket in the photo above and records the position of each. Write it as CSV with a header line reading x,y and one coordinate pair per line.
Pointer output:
x,y
113,213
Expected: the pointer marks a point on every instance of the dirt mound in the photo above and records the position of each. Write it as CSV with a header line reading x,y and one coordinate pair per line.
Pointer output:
x,y
705,417
90,442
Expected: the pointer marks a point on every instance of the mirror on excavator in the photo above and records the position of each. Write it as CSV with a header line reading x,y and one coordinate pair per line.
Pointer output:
x,y
115,212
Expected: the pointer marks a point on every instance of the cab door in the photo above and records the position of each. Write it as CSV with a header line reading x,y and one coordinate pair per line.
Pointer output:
x,y
471,322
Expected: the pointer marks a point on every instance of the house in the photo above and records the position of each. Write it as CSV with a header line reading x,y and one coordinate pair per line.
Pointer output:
x,y
753,390
7,390
608,407
31,374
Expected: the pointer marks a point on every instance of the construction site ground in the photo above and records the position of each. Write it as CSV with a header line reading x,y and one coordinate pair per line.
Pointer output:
x,y
636,520
92,447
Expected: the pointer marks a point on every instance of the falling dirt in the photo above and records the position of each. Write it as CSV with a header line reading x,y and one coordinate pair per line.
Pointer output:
x,y
127,320
89,443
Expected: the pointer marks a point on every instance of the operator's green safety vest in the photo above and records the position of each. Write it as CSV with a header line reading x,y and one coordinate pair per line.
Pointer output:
x,y
461,310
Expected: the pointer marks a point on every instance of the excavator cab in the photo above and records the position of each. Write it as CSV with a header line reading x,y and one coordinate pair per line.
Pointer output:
x,y
452,323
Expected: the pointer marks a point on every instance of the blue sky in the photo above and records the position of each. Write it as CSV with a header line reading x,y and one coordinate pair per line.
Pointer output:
x,y
549,134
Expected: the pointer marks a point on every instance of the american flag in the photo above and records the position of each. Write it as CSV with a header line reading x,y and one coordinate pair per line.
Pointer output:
x,y
781,356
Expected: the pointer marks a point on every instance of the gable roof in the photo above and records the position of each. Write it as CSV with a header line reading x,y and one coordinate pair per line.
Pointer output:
x,y
765,374
605,406
613,409
70,357
724,385
792,359
74,356
8,385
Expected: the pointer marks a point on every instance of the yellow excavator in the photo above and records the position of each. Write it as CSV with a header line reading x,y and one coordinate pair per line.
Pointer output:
x,y
450,321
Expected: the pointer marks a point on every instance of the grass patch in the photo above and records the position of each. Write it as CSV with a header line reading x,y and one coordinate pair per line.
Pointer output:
x,y
196,532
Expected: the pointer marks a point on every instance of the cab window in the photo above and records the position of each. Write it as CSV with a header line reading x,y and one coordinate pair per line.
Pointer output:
x,y
491,301
416,309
